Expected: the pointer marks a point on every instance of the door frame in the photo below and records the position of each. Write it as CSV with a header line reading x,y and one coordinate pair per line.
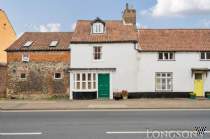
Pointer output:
x,y
109,84
202,73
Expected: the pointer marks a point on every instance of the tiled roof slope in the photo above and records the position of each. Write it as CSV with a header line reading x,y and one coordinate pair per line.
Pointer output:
x,y
174,39
116,31
41,41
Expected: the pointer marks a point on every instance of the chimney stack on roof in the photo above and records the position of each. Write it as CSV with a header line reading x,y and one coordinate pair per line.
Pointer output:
x,y
129,15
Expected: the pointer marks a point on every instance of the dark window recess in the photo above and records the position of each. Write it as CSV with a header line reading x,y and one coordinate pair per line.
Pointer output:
x,y
23,76
57,75
171,56
208,55
203,55
160,56
198,76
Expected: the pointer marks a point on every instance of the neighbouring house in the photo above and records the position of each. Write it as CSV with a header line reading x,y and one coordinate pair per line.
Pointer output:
x,y
102,57
3,77
7,35
38,64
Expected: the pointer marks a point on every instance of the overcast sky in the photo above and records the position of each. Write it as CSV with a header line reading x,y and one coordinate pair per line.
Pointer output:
x,y
61,15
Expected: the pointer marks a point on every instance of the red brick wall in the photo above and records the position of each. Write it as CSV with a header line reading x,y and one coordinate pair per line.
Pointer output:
x,y
41,56
3,77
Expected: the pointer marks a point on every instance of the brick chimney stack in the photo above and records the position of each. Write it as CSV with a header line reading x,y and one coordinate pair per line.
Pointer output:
x,y
129,15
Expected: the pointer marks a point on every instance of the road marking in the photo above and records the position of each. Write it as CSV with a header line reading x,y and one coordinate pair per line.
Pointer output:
x,y
102,110
20,134
148,132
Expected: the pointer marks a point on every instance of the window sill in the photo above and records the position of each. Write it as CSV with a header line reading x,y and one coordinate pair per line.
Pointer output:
x,y
95,61
166,60
204,59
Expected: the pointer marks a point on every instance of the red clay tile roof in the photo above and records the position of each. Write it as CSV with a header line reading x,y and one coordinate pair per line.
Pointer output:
x,y
116,31
174,39
41,41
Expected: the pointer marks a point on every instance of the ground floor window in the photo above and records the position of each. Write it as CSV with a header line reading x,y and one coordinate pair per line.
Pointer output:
x,y
57,75
84,81
163,81
23,76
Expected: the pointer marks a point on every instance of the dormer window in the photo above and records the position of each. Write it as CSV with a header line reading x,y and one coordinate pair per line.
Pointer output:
x,y
53,44
98,26
28,43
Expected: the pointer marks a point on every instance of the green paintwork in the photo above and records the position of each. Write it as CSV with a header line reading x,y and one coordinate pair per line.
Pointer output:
x,y
103,85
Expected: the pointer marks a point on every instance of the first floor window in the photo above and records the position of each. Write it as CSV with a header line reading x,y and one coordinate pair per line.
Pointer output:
x,y
163,81
166,56
205,56
84,81
97,53
25,57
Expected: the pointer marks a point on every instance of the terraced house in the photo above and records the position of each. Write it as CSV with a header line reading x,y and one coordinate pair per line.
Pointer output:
x,y
105,56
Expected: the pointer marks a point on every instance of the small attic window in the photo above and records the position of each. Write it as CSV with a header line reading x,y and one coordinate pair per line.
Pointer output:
x,y
53,44
98,26
28,43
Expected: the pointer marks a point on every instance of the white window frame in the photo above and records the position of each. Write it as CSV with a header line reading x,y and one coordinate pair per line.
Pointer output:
x,y
78,83
168,54
98,28
25,57
61,77
159,88
97,53
205,56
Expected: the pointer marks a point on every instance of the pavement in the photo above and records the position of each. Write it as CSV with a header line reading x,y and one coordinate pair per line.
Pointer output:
x,y
105,104
103,124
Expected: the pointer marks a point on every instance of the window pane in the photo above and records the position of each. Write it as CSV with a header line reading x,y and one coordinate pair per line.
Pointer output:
x,y
169,84
89,76
163,75
168,74
160,56
94,85
158,74
158,84
166,56
89,85
171,56
163,84
202,55
94,76
83,77
78,77
83,85
208,55
78,85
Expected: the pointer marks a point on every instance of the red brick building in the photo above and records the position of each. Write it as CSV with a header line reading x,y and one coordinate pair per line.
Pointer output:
x,y
38,64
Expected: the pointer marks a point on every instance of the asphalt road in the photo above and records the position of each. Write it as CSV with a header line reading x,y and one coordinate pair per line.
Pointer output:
x,y
100,125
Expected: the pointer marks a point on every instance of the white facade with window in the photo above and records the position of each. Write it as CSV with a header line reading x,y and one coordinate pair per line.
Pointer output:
x,y
119,56
182,79
135,71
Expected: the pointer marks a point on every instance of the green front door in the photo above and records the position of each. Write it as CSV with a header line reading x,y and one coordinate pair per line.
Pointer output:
x,y
103,85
